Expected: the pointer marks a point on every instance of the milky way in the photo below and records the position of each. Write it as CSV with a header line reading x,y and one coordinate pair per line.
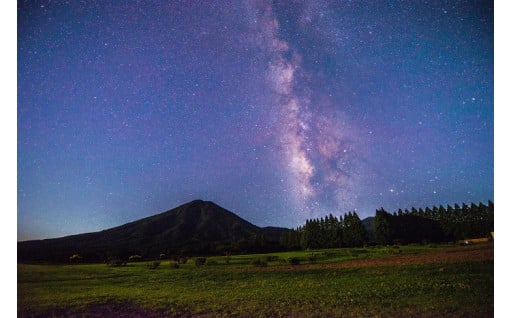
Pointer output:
x,y
314,145
276,110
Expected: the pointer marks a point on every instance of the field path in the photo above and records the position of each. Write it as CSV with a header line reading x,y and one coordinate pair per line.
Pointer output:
x,y
477,252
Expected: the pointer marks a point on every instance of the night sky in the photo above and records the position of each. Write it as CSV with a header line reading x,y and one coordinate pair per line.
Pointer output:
x,y
279,111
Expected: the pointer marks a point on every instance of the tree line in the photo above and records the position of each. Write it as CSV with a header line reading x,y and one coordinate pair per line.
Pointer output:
x,y
328,232
436,224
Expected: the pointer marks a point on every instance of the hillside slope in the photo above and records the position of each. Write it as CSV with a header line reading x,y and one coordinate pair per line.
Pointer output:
x,y
197,227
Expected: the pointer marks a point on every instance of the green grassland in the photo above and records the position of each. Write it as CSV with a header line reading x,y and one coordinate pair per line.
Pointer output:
x,y
318,287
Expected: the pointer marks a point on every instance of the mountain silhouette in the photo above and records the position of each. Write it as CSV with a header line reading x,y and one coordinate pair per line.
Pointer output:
x,y
368,225
197,227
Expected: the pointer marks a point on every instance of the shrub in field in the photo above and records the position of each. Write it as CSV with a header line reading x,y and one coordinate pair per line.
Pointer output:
x,y
272,258
116,262
200,261
294,261
312,258
211,262
259,262
352,252
357,252
134,258
328,254
153,265
395,249
75,258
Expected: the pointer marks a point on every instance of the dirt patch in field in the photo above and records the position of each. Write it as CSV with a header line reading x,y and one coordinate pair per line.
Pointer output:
x,y
108,310
477,252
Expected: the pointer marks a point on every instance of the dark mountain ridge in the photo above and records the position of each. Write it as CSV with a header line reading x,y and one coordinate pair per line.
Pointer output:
x,y
368,225
197,227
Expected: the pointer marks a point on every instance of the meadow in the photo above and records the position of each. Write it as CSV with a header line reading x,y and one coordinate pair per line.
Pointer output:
x,y
413,281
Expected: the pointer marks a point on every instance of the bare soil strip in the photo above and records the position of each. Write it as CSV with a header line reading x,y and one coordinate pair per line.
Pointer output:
x,y
478,252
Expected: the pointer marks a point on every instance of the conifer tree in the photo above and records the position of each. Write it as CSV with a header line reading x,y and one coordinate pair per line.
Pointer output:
x,y
382,227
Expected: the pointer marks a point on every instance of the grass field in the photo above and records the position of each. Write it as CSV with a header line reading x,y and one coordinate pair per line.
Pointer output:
x,y
413,281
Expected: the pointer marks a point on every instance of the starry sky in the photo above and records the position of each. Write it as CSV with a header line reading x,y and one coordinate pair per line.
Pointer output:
x,y
279,111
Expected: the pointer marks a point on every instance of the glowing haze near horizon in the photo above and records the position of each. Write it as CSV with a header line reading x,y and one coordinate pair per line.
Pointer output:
x,y
278,111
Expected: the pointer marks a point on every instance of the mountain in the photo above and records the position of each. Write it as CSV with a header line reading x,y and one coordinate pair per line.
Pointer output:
x,y
368,225
197,227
